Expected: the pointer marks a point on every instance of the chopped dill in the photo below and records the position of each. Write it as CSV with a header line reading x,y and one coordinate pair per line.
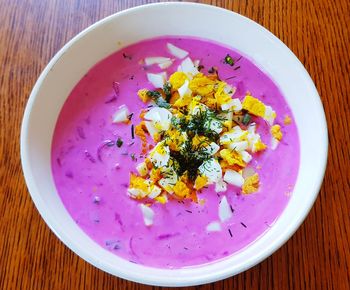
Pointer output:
x,y
133,157
246,119
119,142
132,132
158,99
229,60
167,91
189,158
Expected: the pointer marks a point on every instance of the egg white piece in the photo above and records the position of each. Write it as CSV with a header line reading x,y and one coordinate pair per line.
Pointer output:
x,y
229,90
225,212
188,67
211,149
246,157
152,130
157,119
234,105
148,214
154,192
238,146
176,51
269,115
160,115
234,178
196,63
234,135
157,80
169,180
136,193
220,185
184,90
165,64
211,169
156,60
160,159
142,169
213,227
274,143
252,137
121,115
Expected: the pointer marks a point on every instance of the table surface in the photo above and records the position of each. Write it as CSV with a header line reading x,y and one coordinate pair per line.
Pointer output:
x,y
316,257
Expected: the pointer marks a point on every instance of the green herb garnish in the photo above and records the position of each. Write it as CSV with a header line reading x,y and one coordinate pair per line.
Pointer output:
x,y
199,124
132,131
189,158
119,142
167,91
158,99
229,60
246,119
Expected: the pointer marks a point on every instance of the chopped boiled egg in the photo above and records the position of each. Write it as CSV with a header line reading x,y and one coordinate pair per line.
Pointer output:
x,y
213,227
161,61
184,89
251,184
157,120
211,169
155,191
176,51
246,157
287,120
140,187
148,214
258,108
225,212
254,140
200,182
181,189
211,149
232,157
220,185
188,67
269,115
169,180
165,64
214,125
157,80
276,136
234,105
142,169
276,132
236,134
177,79
238,146
122,115
160,155
234,178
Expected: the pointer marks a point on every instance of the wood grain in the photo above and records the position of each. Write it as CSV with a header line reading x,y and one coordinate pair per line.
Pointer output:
x,y
316,257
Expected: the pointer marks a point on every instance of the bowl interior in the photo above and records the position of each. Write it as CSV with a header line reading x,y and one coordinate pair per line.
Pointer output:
x,y
122,29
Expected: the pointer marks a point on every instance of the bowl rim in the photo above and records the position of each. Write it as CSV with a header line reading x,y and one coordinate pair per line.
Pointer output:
x,y
39,203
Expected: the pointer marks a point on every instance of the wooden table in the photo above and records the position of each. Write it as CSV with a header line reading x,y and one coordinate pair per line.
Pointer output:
x,y
316,257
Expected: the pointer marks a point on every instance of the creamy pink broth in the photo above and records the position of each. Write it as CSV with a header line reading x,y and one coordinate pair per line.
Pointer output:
x,y
92,179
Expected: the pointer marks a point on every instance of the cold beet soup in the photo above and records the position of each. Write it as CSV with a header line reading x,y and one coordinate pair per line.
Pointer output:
x,y
175,152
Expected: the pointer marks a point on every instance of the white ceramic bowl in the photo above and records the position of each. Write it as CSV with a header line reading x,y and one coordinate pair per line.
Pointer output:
x,y
129,26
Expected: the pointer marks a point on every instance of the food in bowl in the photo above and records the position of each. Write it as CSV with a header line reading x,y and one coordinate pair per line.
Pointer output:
x,y
175,152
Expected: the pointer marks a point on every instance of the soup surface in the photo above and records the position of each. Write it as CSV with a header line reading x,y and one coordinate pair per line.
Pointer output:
x,y
91,168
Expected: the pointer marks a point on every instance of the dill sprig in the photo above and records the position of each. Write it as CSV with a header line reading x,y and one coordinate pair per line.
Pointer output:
x,y
188,159
199,124
158,99
167,91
